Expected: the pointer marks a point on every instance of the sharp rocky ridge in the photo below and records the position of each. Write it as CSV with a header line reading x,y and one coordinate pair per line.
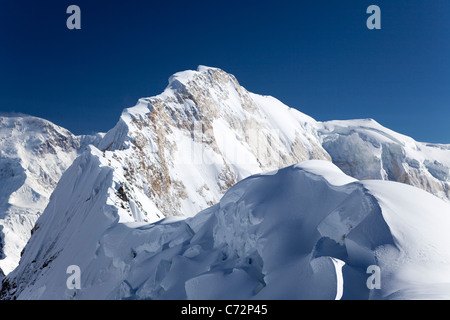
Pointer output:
x,y
178,153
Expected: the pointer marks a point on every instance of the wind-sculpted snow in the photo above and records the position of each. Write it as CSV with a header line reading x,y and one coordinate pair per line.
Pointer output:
x,y
306,232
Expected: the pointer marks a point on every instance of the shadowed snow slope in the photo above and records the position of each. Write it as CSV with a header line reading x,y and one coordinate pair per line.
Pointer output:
x,y
306,232
34,153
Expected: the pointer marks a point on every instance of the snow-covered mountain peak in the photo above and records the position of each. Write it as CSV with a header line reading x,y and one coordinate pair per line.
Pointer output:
x,y
209,152
270,237
34,153
185,147
203,73
32,133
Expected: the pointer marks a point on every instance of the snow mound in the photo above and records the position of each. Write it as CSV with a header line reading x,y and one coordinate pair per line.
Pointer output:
x,y
305,232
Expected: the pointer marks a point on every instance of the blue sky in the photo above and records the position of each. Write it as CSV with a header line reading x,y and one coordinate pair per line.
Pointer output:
x,y
316,56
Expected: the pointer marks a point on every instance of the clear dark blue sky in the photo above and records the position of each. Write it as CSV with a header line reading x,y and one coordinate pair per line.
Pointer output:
x,y
317,56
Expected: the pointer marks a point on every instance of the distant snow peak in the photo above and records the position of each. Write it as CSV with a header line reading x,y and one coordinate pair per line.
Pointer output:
x,y
34,153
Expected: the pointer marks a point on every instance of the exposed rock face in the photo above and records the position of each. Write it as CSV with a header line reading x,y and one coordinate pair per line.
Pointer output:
x,y
186,147
306,232
173,154
176,154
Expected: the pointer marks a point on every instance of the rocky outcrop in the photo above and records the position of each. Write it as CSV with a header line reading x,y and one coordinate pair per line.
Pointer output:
x,y
34,153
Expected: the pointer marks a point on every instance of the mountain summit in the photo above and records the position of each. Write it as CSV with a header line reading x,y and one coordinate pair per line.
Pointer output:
x,y
183,149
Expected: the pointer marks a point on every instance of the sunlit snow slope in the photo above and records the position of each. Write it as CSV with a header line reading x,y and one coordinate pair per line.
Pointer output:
x,y
365,149
307,232
178,153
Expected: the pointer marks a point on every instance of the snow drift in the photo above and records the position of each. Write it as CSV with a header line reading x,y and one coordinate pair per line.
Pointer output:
x,y
306,232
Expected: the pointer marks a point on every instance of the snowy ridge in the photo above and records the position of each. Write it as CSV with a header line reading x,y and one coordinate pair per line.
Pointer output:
x,y
126,211
34,153
270,237
364,149
184,148
174,154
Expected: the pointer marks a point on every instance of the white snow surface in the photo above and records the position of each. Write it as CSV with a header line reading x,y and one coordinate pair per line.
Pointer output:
x,y
306,232
126,211
34,153
364,149
420,267
183,149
